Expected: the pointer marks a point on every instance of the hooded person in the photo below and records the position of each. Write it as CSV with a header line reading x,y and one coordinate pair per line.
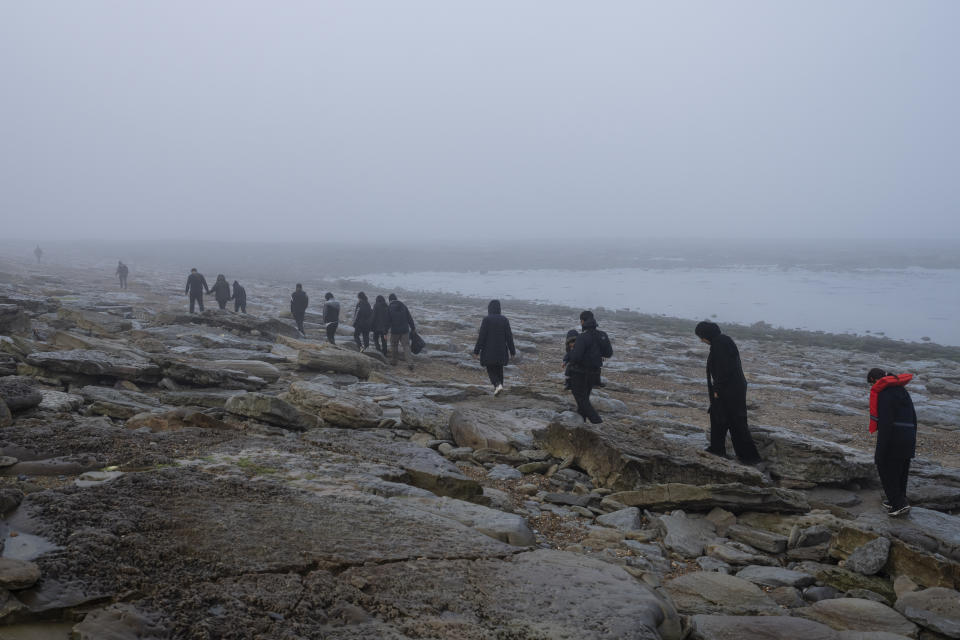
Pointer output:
x,y
495,344
380,324
894,420
362,316
331,316
221,291
401,324
196,286
239,297
122,272
584,362
298,307
727,388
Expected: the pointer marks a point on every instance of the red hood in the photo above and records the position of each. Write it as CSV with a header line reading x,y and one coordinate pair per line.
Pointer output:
x,y
884,383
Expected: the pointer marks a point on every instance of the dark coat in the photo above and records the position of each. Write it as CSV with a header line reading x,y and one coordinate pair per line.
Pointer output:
x,y
725,374
239,294
896,424
298,303
399,318
362,315
380,321
585,356
495,338
196,284
221,290
331,311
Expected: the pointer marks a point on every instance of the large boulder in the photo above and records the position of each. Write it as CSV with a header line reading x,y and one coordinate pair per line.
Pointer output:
x,y
734,497
269,409
338,360
96,364
336,407
197,373
19,393
501,431
799,460
711,592
936,609
686,536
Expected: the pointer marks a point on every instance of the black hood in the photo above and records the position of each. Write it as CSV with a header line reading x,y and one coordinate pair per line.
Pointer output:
x,y
589,323
572,334
493,307
707,330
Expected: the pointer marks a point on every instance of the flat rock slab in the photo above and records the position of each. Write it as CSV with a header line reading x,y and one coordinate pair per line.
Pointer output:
x,y
937,609
736,497
101,324
335,406
60,466
242,322
776,577
713,627
209,398
428,415
118,403
805,461
709,592
500,431
269,409
757,538
856,614
624,519
96,364
339,360
505,527
176,420
58,401
200,373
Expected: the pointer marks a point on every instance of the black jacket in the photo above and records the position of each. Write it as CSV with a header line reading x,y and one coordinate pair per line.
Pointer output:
x,y
331,311
298,302
362,315
495,338
399,318
239,293
896,424
724,370
196,284
221,290
380,321
585,356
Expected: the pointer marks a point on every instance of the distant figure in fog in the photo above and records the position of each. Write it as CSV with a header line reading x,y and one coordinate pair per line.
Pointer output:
x,y
39,253
298,307
221,291
380,324
495,345
122,272
727,387
362,316
196,285
894,420
401,324
331,316
239,297
584,362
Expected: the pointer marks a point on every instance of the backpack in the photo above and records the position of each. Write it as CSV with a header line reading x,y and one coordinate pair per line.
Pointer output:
x,y
416,342
603,344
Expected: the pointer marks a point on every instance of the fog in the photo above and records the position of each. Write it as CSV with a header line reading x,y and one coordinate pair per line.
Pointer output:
x,y
441,123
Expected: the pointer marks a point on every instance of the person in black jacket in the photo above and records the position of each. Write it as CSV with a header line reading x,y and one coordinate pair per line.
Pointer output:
x,y
298,307
584,362
362,315
221,291
331,316
196,285
239,298
727,388
401,324
894,420
493,344
380,324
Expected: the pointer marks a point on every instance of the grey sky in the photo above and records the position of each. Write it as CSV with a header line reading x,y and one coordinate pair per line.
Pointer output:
x,y
354,120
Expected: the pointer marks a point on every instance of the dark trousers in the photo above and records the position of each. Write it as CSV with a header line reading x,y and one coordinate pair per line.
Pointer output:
x,y
196,298
380,341
298,318
222,303
123,282
332,332
397,339
725,418
495,373
893,470
581,384
240,306
358,333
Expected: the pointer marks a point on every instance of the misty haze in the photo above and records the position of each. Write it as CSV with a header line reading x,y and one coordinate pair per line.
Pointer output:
x,y
479,320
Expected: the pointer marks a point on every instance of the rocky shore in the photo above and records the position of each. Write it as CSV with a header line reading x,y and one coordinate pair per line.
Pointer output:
x,y
167,475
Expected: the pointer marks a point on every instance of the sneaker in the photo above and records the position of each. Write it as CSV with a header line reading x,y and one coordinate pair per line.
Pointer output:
x,y
886,505
497,389
596,420
902,511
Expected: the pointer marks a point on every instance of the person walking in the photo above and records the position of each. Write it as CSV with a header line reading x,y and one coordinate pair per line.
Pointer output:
x,y
727,388
239,297
362,316
221,291
331,316
38,252
196,286
495,345
894,420
584,362
122,272
401,324
380,324
298,307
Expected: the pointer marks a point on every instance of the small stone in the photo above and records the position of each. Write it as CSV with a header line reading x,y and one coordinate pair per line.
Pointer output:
x,y
534,467
816,594
869,558
625,519
528,489
775,577
787,597
18,574
813,536
504,472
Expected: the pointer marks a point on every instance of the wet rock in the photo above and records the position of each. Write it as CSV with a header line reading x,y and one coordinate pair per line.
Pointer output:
x,y
488,429
338,360
269,409
734,497
858,615
775,577
336,407
96,364
119,622
70,465
17,574
936,609
711,592
763,540
716,627
686,536
425,414
19,393
869,558
624,519
175,420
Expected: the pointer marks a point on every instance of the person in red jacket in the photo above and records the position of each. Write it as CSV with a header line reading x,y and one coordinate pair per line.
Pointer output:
x,y
894,420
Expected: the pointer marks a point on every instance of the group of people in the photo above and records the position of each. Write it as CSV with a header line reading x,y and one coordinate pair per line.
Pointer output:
x,y
221,291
